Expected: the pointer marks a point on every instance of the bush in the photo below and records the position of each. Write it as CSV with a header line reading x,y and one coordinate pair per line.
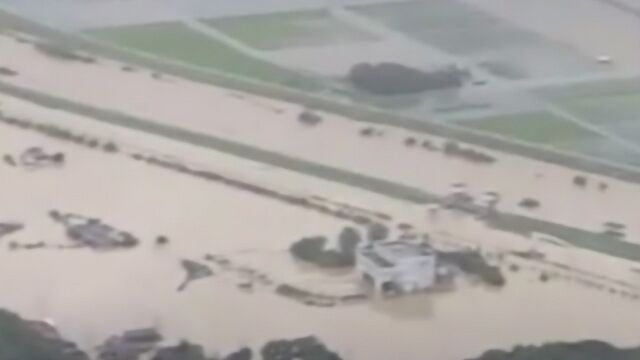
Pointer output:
x,y
110,147
312,250
310,118
471,262
5,71
529,203
309,248
58,158
162,240
368,131
580,180
410,141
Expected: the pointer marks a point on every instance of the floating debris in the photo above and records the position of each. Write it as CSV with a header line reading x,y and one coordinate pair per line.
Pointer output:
x,y
130,345
9,228
195,271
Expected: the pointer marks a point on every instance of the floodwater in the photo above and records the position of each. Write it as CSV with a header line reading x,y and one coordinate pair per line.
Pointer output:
x,y
91,295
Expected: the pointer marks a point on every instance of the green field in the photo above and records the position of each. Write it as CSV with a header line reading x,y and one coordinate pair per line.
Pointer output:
x,y
176,41
535,127
448,24
608,110
293,29
460,28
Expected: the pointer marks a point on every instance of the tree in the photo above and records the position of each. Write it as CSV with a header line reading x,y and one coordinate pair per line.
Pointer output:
x,y
21,339
377,232
348,240
584,350
529,203
309,248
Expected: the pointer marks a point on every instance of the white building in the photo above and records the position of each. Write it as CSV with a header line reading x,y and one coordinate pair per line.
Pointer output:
x,y
397,266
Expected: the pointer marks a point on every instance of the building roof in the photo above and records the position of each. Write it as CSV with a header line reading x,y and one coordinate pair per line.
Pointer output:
x,y
375,258
403,249
388,254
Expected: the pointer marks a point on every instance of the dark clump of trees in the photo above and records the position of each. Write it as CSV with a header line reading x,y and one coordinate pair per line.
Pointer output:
x,y
472,263
183,351
584,350
397,79
452,148
307,348
29,340
243,354
313,249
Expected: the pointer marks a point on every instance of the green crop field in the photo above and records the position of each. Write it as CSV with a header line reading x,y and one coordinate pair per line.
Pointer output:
x,y
293,29
464,30
178,42
535,127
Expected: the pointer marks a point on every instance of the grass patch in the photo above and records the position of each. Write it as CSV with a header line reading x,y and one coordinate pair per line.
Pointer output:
x,y
590,89
584,239
451,25
617,109
292,29
176,41
537,127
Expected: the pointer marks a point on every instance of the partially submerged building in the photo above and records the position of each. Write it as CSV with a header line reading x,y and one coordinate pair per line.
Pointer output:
x,y
399,266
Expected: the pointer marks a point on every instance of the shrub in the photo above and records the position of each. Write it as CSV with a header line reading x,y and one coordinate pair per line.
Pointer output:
x,y
310,118
162,240
5,71
580,180
309,248
410,141
92,143
529,203
368,131
110,147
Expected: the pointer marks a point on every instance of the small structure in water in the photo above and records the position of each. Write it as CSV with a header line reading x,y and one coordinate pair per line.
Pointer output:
x,y
37,158
100,236
400,266
93,232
